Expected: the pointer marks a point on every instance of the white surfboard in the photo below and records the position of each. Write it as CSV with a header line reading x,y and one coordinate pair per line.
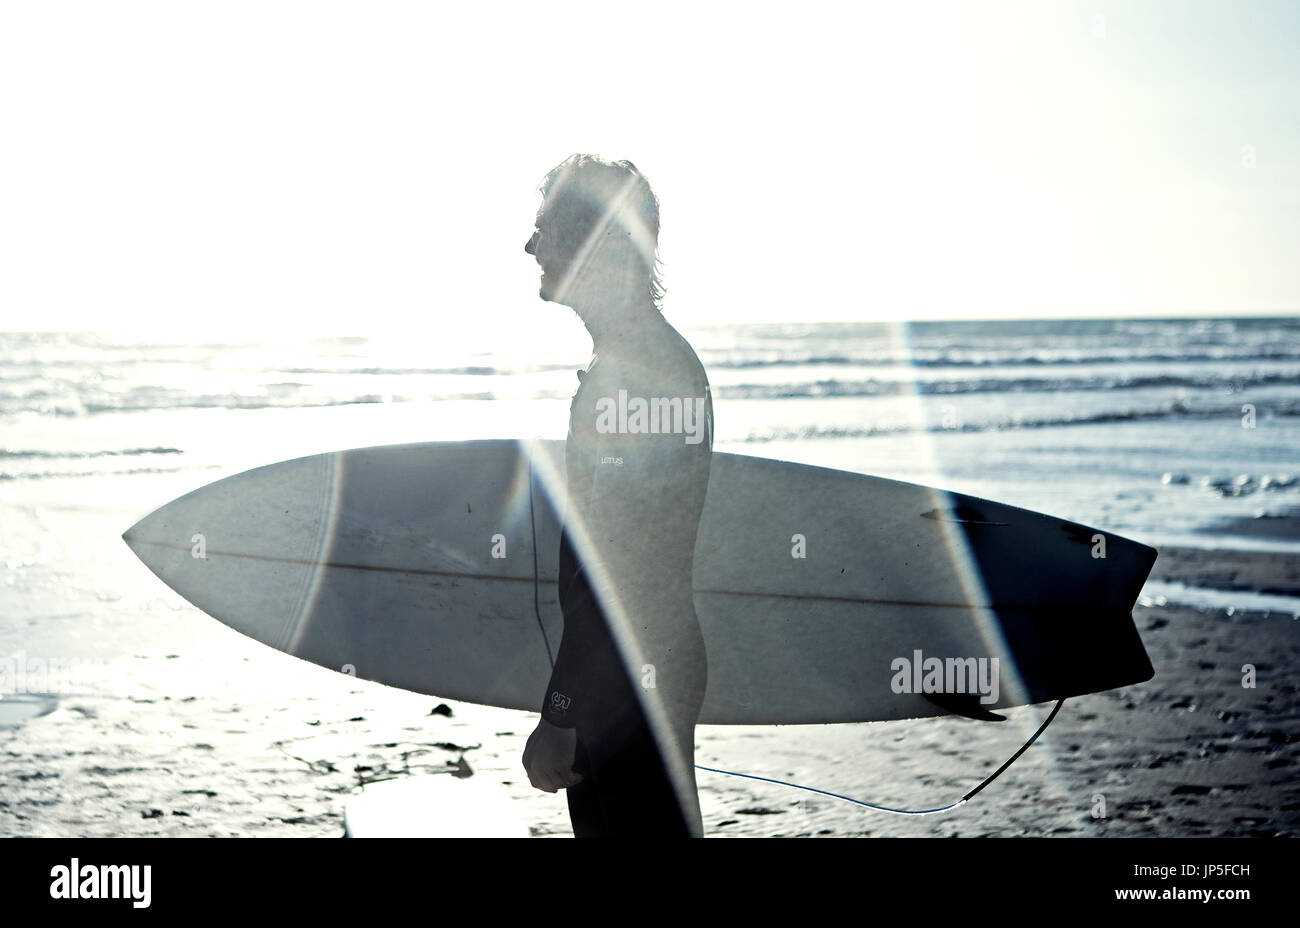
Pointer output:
x,y
379,562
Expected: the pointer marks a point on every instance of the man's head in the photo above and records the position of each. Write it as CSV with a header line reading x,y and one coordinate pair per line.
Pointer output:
x,y
597,233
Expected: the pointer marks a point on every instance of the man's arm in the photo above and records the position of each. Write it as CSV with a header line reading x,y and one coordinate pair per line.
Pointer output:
x,y
550,753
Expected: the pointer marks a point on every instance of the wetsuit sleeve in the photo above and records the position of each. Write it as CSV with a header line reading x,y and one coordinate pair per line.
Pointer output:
x,y
587,681
566,693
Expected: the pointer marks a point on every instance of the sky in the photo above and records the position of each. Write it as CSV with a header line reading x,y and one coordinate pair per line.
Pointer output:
x,y
357,168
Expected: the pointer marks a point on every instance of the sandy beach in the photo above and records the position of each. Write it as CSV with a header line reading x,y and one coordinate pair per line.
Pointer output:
x,y
184,746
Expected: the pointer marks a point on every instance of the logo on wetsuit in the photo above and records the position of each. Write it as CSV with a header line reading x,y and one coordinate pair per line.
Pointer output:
x,y
560,703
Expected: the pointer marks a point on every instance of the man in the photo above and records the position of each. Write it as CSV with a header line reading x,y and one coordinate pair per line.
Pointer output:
x,y
618,719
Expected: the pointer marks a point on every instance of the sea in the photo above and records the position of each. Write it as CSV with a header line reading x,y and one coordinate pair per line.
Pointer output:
x,y
1167,430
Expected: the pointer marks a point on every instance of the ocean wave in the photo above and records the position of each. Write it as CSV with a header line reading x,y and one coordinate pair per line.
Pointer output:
x,y
46,474
228,402
989,357
122,452
850,388
74,407
470,370
1173,410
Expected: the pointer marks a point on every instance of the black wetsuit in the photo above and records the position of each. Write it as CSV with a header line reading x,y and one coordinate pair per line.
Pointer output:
x,y
636,498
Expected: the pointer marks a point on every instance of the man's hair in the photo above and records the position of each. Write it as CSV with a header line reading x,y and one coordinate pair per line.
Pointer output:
x,y
602,192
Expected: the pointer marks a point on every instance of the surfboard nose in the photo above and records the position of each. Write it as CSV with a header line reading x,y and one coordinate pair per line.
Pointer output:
x,y
144,536
131,537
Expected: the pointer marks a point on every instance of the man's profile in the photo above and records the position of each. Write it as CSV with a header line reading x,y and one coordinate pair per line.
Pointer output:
x,y
618,717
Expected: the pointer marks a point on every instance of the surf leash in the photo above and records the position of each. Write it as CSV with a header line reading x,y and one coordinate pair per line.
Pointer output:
x,y
537,609
875,808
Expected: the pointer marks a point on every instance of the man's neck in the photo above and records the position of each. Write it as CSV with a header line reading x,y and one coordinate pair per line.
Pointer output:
x,y
623,331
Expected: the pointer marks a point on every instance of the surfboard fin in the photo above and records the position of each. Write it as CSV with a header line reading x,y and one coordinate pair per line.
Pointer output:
x,y
966,704
964,515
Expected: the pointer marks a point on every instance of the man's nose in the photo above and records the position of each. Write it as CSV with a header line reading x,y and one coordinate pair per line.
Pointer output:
x,y
528,245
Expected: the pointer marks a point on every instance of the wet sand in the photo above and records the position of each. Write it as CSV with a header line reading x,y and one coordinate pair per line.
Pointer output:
x,y
1255,571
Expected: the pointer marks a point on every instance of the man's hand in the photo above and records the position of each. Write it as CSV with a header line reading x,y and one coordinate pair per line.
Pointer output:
x,y
549,756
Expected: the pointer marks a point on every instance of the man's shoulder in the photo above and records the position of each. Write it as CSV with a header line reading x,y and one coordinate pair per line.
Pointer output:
x,y
675,361
664,367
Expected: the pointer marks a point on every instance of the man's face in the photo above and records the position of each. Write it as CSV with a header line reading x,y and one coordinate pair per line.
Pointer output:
x,y
535,247
559,232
